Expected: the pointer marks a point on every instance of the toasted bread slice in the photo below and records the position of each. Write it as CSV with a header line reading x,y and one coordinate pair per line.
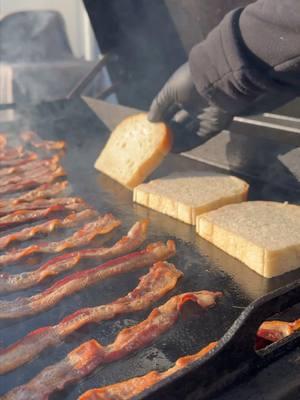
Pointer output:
x,y
263,235
186,195
135,148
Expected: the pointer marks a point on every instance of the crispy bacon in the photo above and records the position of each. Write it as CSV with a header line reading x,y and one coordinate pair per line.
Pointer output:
x,y
12,170
46,227
65,262
21,169
31,174
18,160
126,390
3,141
40,204
103,224
10,153
47,190
34,173
160,280
29,183
87,357
34,139
272,331
25,306
23,216
20,217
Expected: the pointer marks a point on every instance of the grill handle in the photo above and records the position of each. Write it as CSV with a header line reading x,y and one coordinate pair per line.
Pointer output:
x,y
242,333
235,356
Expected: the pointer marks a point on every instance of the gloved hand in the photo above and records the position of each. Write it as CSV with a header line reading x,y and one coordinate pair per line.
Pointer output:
x,y
192,119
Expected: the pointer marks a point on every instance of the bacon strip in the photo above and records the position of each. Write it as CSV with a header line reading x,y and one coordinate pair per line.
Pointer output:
x,y
42,192
10,153
35,173
41,204
31,183
160,280
25,306
86,358
135,237
28,175
47,227
22,216
126,390
29,166
273,331
85,235
36,141
3,141
18,160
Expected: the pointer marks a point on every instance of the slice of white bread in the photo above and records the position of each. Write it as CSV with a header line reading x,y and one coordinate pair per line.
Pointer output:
x,y
135,148
188,194
263,235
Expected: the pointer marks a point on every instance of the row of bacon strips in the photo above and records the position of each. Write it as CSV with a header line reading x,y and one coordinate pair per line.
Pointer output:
x,y
40,175
32,186
269,331
91,354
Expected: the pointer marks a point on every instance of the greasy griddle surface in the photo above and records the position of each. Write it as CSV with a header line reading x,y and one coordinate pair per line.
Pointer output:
x,y
204,267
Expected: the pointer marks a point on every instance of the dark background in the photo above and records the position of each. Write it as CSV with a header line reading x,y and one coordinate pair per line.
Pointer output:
x,y
151,39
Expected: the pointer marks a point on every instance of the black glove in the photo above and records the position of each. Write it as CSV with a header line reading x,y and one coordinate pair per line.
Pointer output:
x,y
192,119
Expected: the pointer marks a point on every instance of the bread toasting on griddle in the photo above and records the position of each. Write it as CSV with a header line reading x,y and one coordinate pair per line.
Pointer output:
x,y
263,235
186,195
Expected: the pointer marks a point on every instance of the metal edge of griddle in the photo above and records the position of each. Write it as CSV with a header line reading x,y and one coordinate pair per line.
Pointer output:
x,y
267,127
278,119
234,357
239,171
109,114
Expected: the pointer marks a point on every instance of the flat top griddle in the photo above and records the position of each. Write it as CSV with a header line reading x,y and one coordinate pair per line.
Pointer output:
x,y
204,266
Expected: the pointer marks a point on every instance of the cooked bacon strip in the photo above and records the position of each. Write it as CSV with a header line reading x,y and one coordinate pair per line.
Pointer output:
x,y
12,170
85,235
3,141
47,227
20,217
87,357
23,216
33,173
18,160
10,153
160,280
32,182
126,390
65,262
41,204
25,306
273,331
42,192
36,141
36,164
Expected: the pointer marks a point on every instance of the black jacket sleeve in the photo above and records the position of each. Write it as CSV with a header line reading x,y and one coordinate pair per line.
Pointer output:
x,y
254,52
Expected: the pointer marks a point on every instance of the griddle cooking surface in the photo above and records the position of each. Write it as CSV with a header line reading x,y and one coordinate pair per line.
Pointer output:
x,y
204,267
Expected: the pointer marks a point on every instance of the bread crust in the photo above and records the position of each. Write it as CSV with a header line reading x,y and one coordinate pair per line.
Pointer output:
x,y
172,202
261,245
148,164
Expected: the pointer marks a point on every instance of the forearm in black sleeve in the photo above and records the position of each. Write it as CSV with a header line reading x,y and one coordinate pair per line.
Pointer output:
x,y
253,52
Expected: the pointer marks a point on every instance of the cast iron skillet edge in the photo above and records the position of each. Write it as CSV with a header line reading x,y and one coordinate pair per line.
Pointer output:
x,y
234,356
